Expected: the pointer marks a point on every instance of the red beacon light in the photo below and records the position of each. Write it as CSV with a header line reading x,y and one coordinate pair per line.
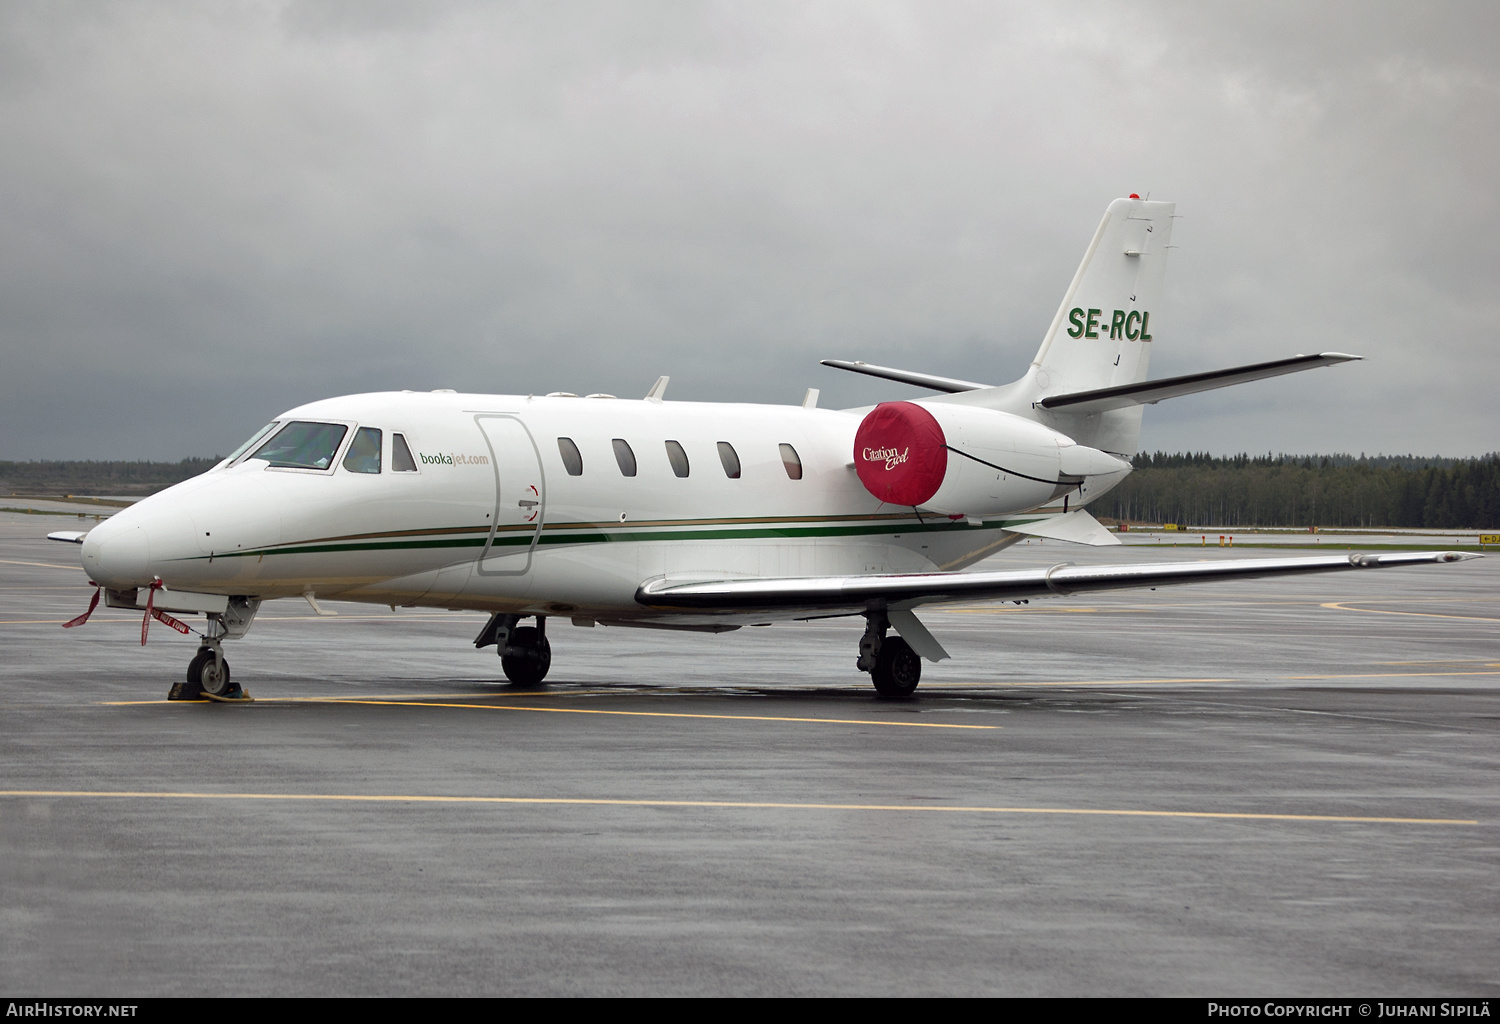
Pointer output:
x,y
1134,196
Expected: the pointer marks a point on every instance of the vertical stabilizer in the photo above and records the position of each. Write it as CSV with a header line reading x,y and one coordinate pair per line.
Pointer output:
x,y
1101,335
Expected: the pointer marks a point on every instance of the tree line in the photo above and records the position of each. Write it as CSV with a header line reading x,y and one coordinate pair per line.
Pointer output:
x,y
1309,490
97,477
1190,488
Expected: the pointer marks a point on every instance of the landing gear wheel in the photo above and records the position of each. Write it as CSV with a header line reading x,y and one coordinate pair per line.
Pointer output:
x,y
530,657
195,667
897,669
213,676
192,688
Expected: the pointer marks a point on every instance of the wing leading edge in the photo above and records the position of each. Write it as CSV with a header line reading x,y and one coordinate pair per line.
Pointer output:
x,y
825,595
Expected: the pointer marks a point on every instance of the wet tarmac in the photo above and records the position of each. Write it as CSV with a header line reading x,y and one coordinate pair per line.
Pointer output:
x,y
1255,789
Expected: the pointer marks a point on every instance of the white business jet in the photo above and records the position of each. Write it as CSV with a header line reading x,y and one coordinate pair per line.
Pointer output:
x,y
682,515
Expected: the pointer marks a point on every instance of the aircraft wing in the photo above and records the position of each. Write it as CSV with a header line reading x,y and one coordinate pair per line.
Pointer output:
x,y
813,596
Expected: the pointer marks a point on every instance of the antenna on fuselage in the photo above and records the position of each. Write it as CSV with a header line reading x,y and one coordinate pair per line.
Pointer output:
x,y
658,390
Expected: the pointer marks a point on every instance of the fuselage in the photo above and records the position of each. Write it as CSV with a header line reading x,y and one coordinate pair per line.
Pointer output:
x,y
544,505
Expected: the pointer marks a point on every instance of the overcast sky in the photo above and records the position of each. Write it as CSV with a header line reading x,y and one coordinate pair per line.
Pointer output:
x,y
210,213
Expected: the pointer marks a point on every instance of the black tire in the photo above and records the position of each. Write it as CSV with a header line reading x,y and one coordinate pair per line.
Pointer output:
x,y
897,669
533,657
193,688
210,679
195,667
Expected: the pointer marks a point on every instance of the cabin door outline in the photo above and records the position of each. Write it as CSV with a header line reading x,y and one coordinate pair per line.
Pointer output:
x,y
520,496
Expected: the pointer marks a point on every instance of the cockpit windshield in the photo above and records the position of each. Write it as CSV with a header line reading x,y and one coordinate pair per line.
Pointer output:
x,y
302,445
255,439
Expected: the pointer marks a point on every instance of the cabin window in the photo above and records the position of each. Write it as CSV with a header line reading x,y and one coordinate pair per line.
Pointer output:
x,y
678,458
791,462
624,456
303,445
363,455
401,460
572,458
730,460
255,439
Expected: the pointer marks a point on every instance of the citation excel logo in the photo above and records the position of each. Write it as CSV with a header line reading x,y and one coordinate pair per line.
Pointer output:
x,y
890,456
899,453
449,459
1133,325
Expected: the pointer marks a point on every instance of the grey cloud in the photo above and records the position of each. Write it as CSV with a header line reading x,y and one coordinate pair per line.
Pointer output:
x,y
213,214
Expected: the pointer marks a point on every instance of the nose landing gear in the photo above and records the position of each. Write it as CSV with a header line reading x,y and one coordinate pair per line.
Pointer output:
x,y
208,672
208,677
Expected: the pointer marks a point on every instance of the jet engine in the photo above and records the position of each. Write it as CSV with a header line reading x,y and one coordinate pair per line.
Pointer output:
x,y
961,460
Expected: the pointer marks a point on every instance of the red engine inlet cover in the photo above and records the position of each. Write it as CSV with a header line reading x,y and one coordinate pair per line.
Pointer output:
x,y
900,453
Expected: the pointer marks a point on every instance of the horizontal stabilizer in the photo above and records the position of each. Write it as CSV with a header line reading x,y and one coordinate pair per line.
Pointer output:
x,y
921,380
1075,527
1152,391
853,595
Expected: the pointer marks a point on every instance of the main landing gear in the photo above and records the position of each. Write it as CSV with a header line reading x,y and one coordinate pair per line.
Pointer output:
x,y
525,654
894,667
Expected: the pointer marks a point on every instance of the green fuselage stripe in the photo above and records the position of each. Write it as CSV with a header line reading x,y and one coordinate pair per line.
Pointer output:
x,y
556,534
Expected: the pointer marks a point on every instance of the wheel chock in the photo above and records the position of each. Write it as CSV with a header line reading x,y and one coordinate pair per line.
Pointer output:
x,y
236,695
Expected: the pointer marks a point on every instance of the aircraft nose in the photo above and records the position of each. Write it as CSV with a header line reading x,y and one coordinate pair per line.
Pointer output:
x,y
117,556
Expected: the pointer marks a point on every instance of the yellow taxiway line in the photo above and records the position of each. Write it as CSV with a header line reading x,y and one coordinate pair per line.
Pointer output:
x,y
669,714
721,804
1343,606
654,714
1391,675
446,700
421,697
571,711
1011,684
130,618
